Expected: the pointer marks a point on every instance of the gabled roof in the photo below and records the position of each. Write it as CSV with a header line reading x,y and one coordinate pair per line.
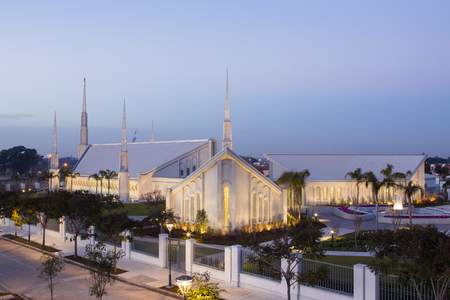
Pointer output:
x,y
143,157
335,166
224,154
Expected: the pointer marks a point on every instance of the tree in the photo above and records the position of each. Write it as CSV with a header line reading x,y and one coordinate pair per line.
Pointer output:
x,y
203,289
359,177
296,181
160,214
410,189
154,198
31,175
376,185
297,239
16,178
404,176
81,211
357,221
49,176
390,177
19,159
201,222
70,174
108,175
117,227
418,254
97,178
52,264
49,207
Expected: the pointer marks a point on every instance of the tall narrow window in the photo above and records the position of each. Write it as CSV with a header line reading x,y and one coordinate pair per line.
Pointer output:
x,y
325,193
186,209
181,173
332,193
194,168
260,209
199,201
253,206
395,193
266,209
193,214
318,193
187,172
339,193
387,194
226,206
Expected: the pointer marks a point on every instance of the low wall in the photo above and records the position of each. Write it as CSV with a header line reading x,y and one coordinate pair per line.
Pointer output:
x,y
322,294
418,221
344,215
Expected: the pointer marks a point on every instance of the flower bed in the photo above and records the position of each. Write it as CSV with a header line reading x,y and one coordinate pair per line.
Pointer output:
x,y
418,216
350,211
372,205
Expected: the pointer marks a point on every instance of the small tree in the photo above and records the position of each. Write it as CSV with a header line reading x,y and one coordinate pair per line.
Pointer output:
x,y
160,214
108,175
410,189
376,185
357,221
154,198
418,254
201,222
101,264
97,178
303,239
68,173
52,264
203,289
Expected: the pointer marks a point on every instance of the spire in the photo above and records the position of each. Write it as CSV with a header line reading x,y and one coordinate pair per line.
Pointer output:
x,y
227,142
84,126
55,143
152,140
124,129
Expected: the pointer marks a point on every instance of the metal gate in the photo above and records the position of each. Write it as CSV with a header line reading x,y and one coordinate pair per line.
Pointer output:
x,y
177,250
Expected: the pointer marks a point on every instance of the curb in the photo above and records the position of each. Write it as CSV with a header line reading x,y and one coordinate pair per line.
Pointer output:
x,y
121,279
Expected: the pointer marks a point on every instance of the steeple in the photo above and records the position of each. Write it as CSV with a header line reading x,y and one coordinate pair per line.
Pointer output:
x,y
227,142
124,175
54,161
152,140
84,126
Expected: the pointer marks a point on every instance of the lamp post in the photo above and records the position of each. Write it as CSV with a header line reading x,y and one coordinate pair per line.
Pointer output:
x,y
332,234
315,216
169,226
184,283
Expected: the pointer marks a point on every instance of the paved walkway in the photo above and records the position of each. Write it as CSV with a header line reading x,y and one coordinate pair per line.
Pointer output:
x,y
139,273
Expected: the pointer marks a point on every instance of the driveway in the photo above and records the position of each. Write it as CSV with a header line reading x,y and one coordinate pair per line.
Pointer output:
x,y
18,272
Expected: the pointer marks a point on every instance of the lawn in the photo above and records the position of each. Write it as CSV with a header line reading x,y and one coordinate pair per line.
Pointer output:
x,y
136,209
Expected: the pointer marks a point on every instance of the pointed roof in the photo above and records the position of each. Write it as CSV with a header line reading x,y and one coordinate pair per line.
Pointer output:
x,y
226,153
335,166
143,157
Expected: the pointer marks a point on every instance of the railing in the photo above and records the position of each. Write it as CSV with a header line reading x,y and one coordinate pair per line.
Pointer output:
x,y
391,289
209,256
340,278
102,238
147,245
256,269
53,225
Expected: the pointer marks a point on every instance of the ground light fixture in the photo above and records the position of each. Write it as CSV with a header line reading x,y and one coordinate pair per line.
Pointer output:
x,y
169,226
184,283
332,234
315,216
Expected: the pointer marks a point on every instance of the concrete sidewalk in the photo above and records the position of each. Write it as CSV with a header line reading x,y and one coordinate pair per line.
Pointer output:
x,y
142,273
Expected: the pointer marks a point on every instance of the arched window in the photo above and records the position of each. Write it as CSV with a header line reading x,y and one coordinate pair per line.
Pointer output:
x,y
187,172
226,206
199,201
193,214
387,194
332,193
318,193
266,209
394,193
186,209
181,173
260,209
253,206
339,193
325,196
194,168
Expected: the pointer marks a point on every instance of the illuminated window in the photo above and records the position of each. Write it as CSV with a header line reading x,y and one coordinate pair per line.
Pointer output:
x,y
266,209
387,193
254,206
325,193
226,206
199,201
395,192
318,193
332,193
260,209
186,209
339,193
192,208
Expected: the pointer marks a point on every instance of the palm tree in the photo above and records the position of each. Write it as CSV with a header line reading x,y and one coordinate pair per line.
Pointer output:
x,y
359,177
97,178
410,190
376,186
16,178
389,180
296,181
49,176
31,176
69,173
404,176
108,175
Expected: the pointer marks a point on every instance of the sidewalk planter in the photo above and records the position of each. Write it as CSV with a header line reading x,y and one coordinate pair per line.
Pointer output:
x,y
347,216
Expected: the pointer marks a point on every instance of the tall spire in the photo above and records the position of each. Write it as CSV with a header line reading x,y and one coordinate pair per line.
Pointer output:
x,y
227,142
84,126
124,129
152,140
55,143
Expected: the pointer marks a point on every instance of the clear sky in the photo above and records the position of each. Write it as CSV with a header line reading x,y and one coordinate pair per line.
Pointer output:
x,y
304,76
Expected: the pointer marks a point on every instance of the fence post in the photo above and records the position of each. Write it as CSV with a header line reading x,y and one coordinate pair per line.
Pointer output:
x,y
126,245
163,250
38,228
189,255
372,285
358,281
62,228
235,264
228,264
92,238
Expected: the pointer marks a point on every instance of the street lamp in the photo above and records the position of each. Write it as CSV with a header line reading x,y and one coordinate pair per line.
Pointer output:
x,y
332,234
184,283
169,226
315,216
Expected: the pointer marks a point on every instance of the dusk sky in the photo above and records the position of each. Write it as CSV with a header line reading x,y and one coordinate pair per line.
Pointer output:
x,y
369,77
